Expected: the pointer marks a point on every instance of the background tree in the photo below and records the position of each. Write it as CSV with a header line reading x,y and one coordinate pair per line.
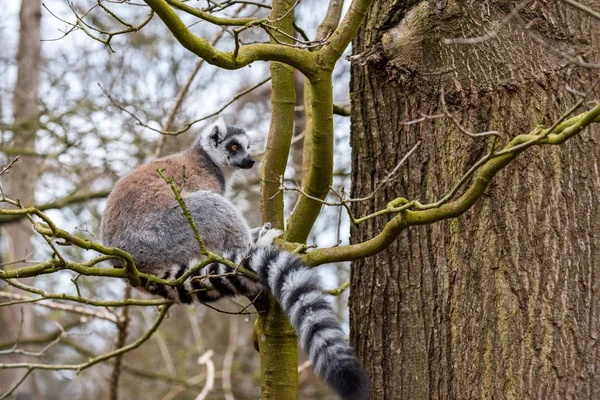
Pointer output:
x,y
21,183
500,302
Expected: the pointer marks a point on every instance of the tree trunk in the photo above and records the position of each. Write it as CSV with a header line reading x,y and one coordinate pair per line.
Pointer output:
x,y
501,302
21,177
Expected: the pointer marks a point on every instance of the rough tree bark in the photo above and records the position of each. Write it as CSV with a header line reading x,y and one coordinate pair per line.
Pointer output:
x,y
21,178
501,302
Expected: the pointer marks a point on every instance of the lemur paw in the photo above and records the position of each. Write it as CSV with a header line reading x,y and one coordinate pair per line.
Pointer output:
x,y
264,236
259,232
268,237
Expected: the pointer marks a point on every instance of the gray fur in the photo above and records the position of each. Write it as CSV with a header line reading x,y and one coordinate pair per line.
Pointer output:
x,y
165,237
143,218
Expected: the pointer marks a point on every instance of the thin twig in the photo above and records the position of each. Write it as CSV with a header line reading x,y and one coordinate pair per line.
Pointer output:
x,y
187,126
98,359
583,8
121,338
458,125
9,165
228,359
89,301
205,359
181,95
186,212
339,290
42,301
16,384
39,353
492,34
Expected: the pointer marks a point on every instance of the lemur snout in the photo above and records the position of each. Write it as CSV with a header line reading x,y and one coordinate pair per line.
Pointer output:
x,y
247,162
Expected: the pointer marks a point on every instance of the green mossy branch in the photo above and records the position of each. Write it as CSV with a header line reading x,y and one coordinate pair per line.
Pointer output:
x,y
204,251
300,59
305,61
424,216
320,171
59,203
130,271
329,24
275,337
343,35
281,130
185,211
56,264
210,17
85,300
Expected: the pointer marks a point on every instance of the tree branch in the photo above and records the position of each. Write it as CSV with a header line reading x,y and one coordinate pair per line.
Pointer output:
x,y
281,129
206,16
555,135
95,360
73,198
301,59
85,300
320,173
340,39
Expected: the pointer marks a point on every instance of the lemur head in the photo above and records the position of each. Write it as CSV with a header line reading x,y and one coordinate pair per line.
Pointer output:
x,y
227,145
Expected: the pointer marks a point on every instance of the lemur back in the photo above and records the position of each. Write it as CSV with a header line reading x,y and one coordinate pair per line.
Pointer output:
x,y
143,218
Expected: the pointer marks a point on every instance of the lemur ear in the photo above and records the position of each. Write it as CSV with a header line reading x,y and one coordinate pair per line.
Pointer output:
x,y
216,131
221,127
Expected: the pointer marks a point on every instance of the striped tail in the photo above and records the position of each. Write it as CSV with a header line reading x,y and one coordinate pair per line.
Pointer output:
x,y
298,289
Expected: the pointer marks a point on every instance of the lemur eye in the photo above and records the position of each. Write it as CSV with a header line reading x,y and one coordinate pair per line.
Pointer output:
x,y
233,147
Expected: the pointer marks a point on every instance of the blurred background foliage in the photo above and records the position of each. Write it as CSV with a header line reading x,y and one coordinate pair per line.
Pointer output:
x,y
85,141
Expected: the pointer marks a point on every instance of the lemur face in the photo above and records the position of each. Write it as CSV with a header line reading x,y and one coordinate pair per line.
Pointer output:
x,y
227,145
237,147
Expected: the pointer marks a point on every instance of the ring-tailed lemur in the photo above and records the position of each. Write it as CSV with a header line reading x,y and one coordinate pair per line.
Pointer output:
x,y
143,218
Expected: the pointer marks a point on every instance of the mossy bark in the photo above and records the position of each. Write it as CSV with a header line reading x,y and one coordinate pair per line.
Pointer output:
x,y
275,337
500,302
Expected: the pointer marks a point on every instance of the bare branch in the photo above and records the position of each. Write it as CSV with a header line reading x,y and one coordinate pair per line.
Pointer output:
x,y
84,300
228,359
205,359
181,95
208,17
41,301
298,58
459,126
122,325
74,198
98,359
338,291
192,123
16,384
39,353
342,110
9,166
583,8
345,202
88,29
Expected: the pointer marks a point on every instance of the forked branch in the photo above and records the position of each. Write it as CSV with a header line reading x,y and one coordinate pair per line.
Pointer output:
x,y
415,213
